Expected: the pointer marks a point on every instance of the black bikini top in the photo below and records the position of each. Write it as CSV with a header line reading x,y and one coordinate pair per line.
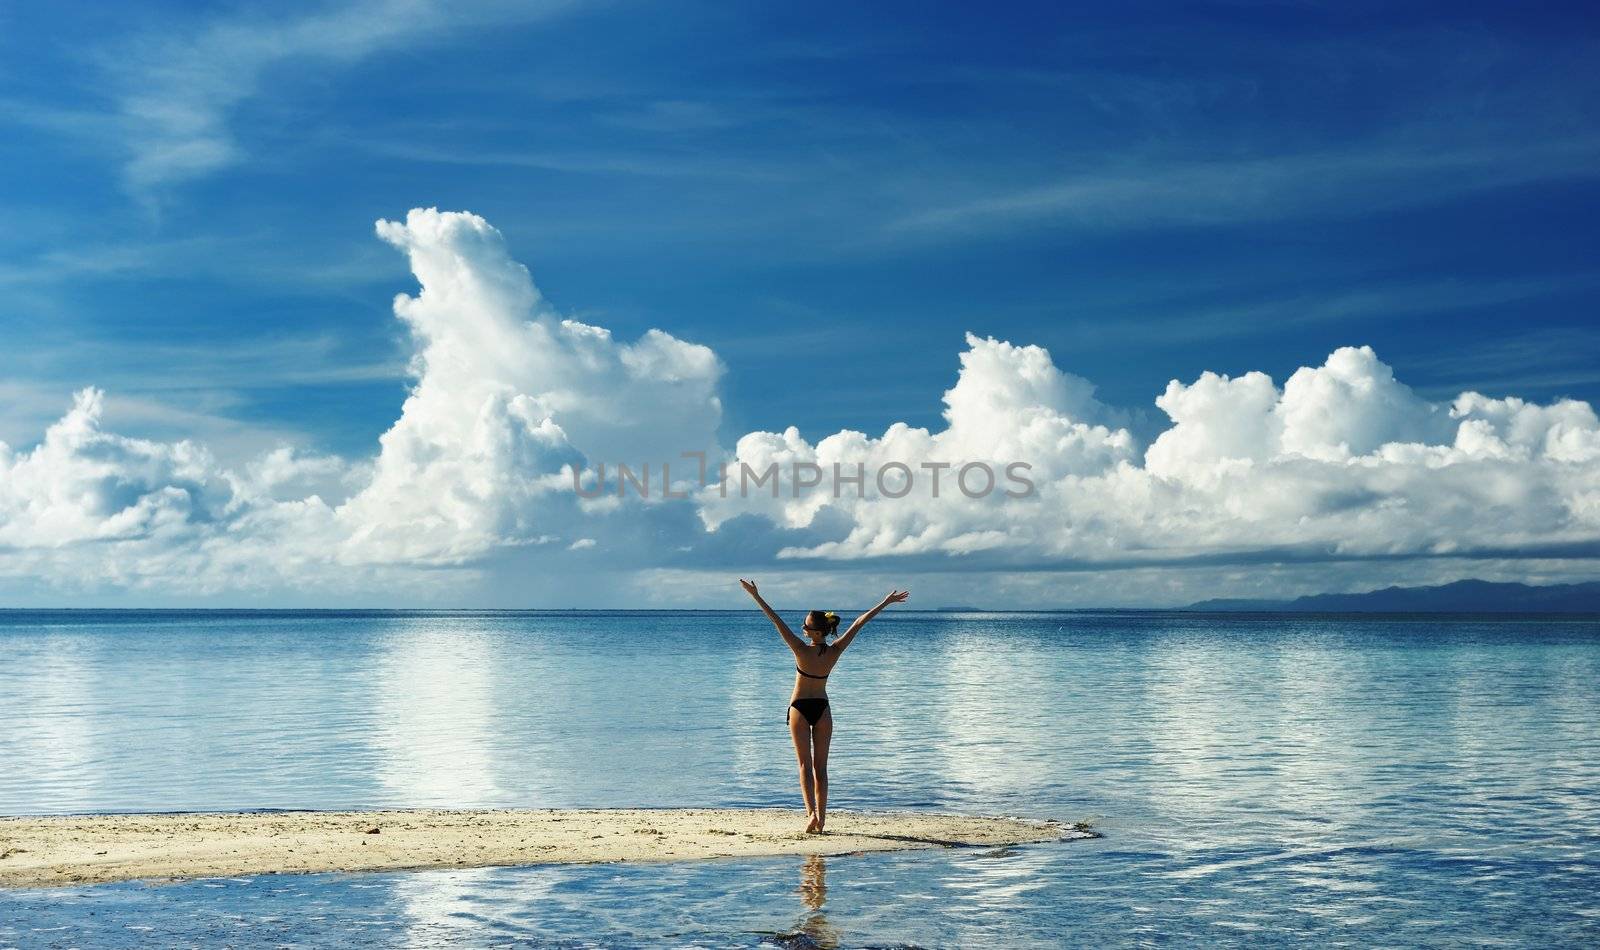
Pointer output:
x,y
812,675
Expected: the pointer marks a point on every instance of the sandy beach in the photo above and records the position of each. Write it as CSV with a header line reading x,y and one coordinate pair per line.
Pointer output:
x,y
53,851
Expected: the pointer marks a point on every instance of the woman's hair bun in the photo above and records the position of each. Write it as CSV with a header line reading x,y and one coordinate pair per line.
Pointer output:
x,y
824,620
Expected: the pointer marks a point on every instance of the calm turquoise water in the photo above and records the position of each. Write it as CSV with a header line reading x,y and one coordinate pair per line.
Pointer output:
x,y
1258,779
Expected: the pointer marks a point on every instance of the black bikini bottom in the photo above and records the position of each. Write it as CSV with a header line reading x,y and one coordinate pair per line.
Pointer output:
x,y
811,708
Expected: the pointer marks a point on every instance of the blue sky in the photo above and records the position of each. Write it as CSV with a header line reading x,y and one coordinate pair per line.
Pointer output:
x,y
829,196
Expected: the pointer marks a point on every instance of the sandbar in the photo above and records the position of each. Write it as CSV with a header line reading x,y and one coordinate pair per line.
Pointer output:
x,y
69,850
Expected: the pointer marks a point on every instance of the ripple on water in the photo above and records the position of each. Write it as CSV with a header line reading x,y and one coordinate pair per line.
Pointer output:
x,y
1360,780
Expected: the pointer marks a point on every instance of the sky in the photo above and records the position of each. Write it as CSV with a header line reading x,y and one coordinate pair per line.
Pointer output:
x,y
321,304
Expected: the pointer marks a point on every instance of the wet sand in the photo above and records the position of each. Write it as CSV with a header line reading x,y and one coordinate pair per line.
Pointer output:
x,y
45,852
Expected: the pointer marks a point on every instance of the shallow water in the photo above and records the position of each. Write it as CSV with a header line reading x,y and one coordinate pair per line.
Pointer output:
x,y
1390,780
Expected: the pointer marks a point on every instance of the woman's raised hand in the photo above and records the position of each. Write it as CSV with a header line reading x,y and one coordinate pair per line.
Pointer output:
x,y
897,597
749,586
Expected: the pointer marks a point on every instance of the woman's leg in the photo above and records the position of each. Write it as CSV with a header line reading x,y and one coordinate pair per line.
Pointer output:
x,y
821,736
800,732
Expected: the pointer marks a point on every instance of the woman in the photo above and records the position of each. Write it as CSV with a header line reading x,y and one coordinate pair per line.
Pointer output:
x,y
810,720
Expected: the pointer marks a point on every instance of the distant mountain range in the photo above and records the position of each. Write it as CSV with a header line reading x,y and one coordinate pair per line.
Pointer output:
x,y
1462,596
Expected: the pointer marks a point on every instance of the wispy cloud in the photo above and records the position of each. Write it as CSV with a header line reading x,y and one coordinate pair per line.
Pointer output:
x,y
57,265
636,161
248,258
270,361
1203,192
210,418
1358,301
1551,360
175,94
204,389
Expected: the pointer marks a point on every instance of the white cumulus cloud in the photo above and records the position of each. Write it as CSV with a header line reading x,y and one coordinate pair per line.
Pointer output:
x,y
508,397
82,484
1342,462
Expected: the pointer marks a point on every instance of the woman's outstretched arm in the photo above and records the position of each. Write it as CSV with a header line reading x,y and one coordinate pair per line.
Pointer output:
x,y
794,642
895,597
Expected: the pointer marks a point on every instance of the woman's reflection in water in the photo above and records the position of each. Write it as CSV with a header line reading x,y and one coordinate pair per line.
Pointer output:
x,y
813,894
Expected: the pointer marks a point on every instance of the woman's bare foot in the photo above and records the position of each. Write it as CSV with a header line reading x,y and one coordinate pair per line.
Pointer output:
x,y
819,822
812,826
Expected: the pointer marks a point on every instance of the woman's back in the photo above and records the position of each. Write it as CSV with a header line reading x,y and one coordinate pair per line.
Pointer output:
x,y
811,671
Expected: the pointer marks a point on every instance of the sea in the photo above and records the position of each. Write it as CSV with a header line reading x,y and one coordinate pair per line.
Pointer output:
x,y
1255,779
